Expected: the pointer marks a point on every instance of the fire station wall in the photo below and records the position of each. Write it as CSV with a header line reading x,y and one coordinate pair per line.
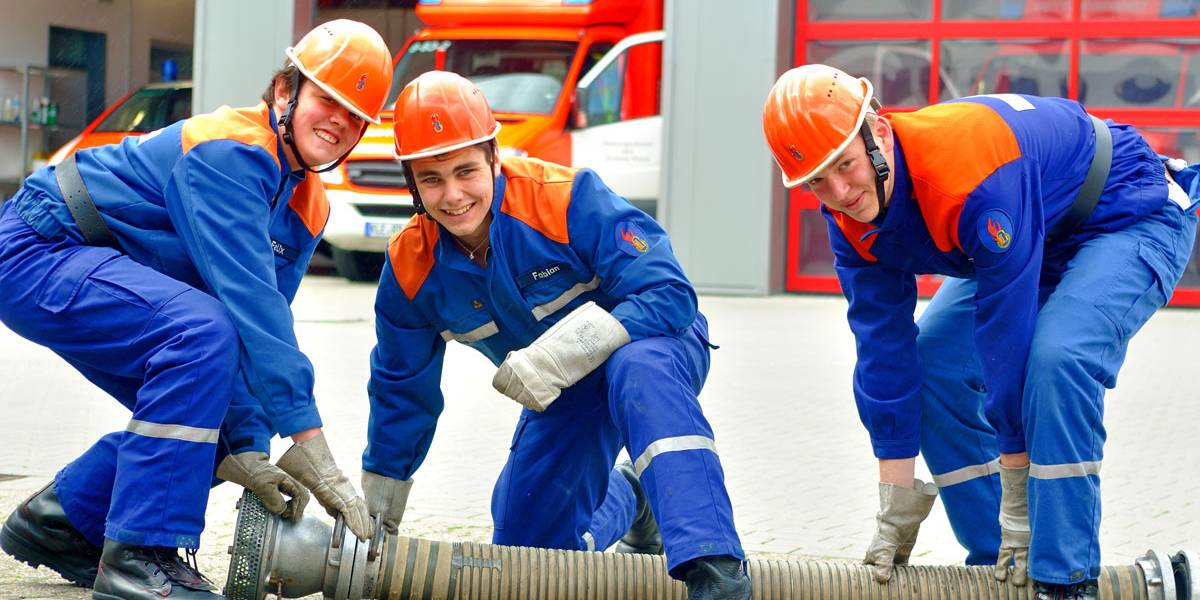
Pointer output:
x,y
723,203
238,46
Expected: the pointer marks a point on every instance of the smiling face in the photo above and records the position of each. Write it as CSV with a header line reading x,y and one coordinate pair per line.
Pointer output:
x,y
848,184
323,129
456,189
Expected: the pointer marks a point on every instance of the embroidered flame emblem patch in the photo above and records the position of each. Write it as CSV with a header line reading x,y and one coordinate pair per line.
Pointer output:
x,y
999,235
995,230
635,240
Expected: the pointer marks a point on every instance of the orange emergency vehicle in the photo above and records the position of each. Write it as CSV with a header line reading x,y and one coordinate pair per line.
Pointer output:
x,y
571,81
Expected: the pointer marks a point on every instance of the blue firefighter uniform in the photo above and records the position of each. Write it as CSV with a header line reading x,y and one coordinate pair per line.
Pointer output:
x,y
559,238
187,324
1014,352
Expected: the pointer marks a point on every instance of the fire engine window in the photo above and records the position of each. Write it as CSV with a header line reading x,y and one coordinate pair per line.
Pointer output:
x,y
517,76
1140,9
869,10
1025,10
1140,73
899,69
1036,67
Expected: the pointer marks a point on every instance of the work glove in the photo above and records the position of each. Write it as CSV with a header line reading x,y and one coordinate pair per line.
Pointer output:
x,y
312,464
1014,524
901,511
534,376
254,471
387,498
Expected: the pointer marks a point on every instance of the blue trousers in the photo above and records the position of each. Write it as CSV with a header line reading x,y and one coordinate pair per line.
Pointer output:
x,y
162,348
1092,303
559,490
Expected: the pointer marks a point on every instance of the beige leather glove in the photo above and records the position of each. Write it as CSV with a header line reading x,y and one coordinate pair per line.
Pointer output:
x,y
254,471
386,497
535,375
312,464
901,511
1014,524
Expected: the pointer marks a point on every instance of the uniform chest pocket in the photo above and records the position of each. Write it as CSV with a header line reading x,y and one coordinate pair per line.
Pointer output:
x,y
547,295
473,326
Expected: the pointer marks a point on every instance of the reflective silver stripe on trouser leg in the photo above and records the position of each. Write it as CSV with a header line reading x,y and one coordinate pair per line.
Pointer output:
x,y
967,473
672,444
173,432
1079,469
589,541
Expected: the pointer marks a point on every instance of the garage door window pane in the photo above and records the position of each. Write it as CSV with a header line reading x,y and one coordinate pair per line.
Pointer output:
x,y
1140,73
1028,10
869,10
1037,67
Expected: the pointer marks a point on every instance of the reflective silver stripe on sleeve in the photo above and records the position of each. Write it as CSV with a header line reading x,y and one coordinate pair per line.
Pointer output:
x,y
967,473
544,310
474,335
173,432
1080,469
672,444
589,541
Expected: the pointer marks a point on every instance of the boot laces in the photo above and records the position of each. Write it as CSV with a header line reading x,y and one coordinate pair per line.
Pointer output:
x,y
182,570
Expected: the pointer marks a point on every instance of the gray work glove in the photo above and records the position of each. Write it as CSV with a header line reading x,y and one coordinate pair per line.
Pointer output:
x,y
312,464
254,471
1014,524
534,376
901,511
386,497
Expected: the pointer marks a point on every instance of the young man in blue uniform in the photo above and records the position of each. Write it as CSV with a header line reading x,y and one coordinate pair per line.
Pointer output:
x,y
576,296
1061,235
162,269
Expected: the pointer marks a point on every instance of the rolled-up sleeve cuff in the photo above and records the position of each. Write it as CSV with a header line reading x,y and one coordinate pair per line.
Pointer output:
x,y
295,421
886,449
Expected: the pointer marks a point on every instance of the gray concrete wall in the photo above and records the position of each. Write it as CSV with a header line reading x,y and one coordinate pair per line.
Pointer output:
x,y
723,203
238,46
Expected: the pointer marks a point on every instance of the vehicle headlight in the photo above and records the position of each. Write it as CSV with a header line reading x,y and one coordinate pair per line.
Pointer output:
x,y
512,152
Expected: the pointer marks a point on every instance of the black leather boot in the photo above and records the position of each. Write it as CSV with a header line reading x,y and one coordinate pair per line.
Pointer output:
x,y
145,573
38,533
717,578
1088,589
643,536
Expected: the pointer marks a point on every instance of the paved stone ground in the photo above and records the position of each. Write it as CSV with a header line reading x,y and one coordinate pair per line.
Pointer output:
x,y
798,462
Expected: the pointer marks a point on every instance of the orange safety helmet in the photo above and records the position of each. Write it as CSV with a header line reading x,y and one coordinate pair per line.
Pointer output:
x,y
440,112
350,61
812,113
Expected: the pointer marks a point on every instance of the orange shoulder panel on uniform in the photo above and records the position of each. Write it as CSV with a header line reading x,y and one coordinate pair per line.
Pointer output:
x,y
250,126
309,203
856,234
538,193
950,149
411,253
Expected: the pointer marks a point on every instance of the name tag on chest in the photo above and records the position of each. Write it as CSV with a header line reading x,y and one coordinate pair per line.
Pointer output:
x,y
285,251
541,274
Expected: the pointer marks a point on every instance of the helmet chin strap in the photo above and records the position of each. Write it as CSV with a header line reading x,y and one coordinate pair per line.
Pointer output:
x,y
285,124
879,163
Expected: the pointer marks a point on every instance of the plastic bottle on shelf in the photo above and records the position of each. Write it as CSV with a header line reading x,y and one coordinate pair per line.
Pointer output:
x,y
52,113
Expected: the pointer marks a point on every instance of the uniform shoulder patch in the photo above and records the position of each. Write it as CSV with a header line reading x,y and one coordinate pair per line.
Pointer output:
x,y
631,239
995,230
